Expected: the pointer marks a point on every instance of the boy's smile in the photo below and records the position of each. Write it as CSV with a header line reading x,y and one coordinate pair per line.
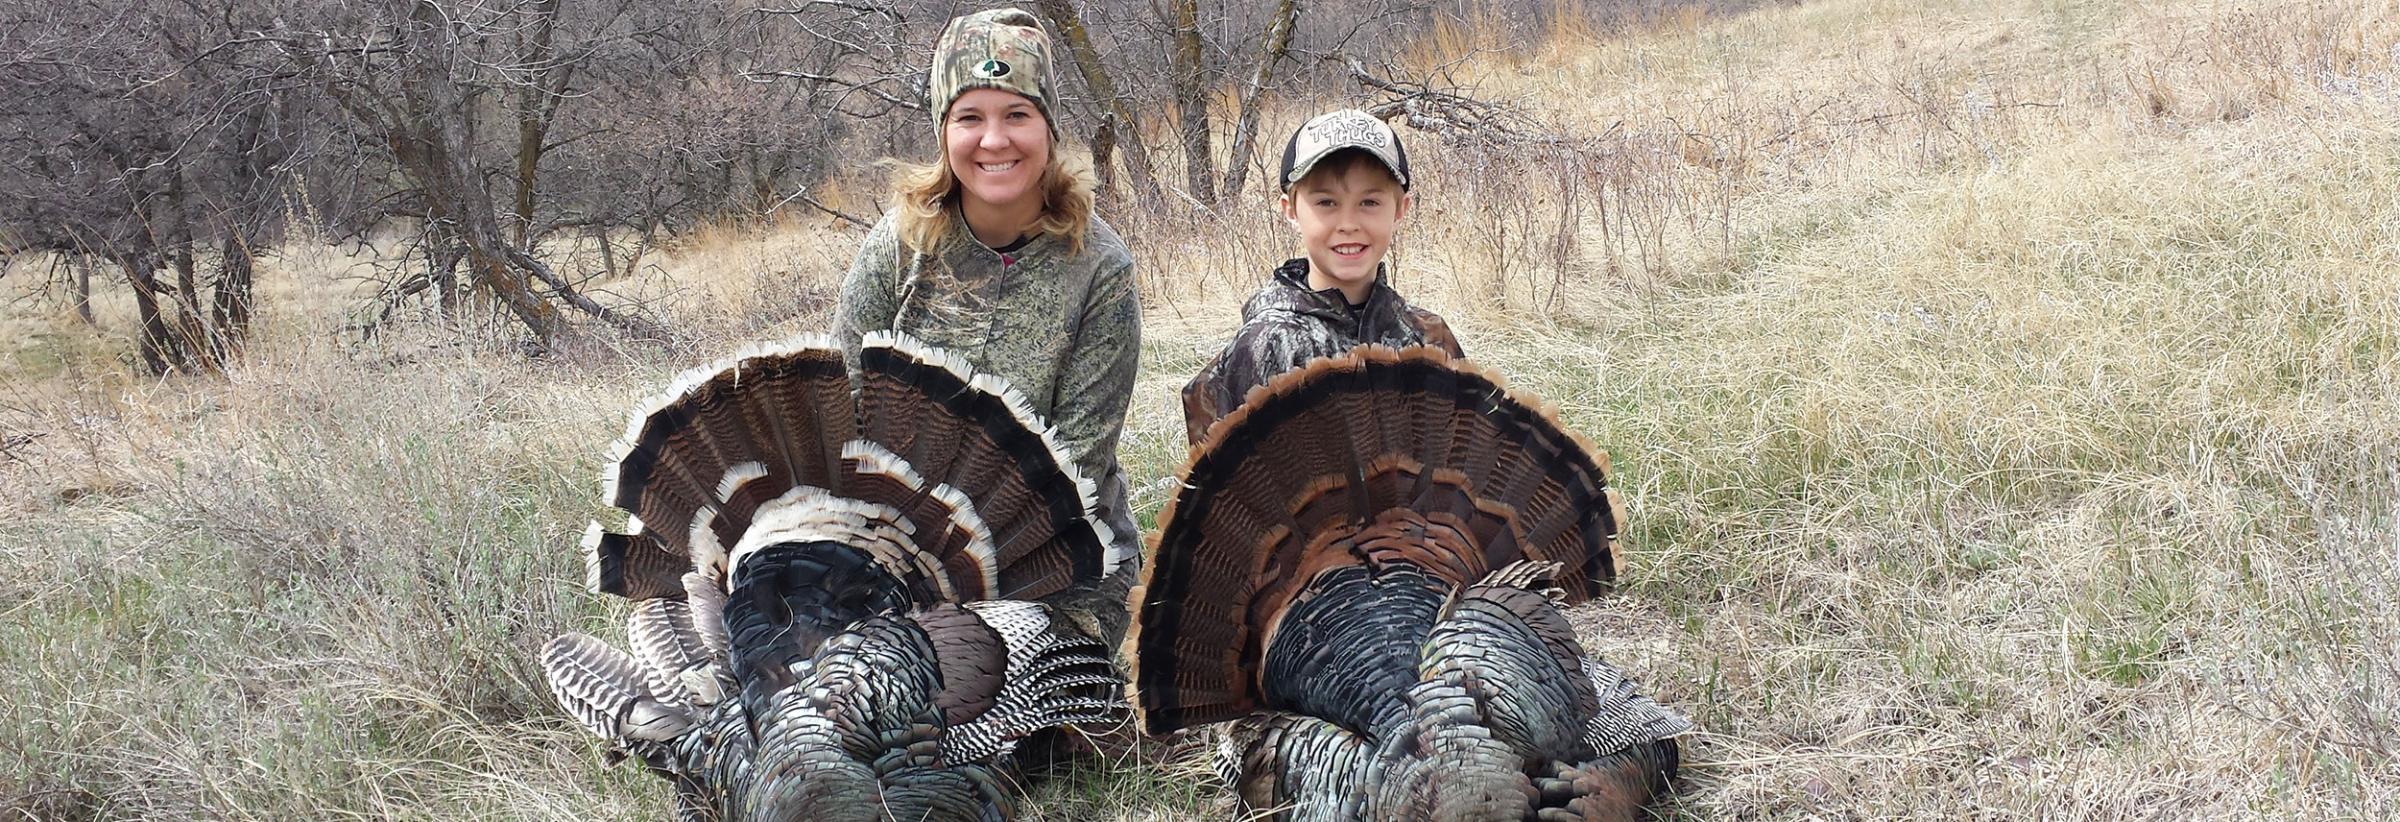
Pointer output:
x,y
1346,213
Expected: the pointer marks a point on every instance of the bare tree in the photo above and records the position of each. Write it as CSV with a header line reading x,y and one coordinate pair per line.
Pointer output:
x,y
169,142
419,80
1118,128
880,48
1192,80
1274,47
1241,45
153,143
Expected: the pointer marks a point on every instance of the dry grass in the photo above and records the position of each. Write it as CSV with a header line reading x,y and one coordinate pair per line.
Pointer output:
x,y
2007,397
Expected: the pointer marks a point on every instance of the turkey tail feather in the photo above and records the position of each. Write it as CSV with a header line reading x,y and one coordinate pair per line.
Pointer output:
x,y
1626,719
972,431
669,647
605,691
784,407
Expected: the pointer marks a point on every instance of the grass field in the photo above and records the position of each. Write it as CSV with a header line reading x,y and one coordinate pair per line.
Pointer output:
x,y
2006,397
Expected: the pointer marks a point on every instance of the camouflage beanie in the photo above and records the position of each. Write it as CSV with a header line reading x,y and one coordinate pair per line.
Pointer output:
x,y
1006,49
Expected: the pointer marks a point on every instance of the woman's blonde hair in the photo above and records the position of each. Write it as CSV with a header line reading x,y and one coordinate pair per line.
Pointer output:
x,y
927,193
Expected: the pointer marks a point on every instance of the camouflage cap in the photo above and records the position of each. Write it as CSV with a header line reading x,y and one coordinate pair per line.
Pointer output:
x,y
1334,131
1006,49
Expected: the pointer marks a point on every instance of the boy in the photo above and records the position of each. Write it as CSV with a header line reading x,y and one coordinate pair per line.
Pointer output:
x,y
1345,183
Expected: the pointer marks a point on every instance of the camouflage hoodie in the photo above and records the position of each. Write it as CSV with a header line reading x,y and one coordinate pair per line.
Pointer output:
x,y
1286,324
1064,329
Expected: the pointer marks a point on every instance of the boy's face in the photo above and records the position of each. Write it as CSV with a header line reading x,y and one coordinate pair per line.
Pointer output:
x,y
1346,221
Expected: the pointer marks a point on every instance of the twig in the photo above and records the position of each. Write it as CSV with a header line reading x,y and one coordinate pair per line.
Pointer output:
x,y
12,442
802,196
862,8
542,271
1455,117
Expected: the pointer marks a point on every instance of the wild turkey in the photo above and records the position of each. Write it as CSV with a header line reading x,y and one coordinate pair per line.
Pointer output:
x,y
830,588
1364,568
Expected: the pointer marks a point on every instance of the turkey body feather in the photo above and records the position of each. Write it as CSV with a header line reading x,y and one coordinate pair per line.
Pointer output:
x,y
837,592
1363,571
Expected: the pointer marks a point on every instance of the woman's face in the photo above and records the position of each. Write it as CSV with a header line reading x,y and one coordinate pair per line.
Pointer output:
x,y
998,144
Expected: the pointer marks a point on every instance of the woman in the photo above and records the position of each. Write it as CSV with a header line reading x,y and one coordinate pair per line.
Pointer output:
x,y
992,252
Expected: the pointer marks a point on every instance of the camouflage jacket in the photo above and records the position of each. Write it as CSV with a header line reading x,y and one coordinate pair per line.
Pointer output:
x,y
1286,324
1065,331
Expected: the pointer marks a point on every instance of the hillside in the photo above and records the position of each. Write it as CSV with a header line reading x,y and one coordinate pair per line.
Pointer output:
x,y
2006,396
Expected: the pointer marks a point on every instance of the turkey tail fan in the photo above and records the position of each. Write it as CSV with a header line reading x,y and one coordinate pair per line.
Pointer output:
x,y
947,476
1379,456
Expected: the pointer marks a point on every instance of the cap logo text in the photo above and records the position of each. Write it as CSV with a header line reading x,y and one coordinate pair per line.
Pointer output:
x,y
1355,131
